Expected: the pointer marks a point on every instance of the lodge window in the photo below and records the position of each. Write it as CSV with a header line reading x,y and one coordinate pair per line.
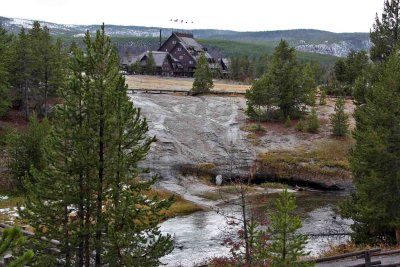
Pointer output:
x,y
179,49
173,42
190,62
180,57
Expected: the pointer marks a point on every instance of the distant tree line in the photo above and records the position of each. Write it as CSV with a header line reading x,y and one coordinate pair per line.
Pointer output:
x,y
32,69
344,75
247,69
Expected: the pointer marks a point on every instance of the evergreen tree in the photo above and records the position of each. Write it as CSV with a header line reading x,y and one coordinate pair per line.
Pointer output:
x,y
25,150
290,80
357,63
322,97
5,99
374,161
12,239
386,31
47,65
150,66
97,207
22,71
313,122
39,69
260,99
286,244
339,120
203,82
235,68
340,70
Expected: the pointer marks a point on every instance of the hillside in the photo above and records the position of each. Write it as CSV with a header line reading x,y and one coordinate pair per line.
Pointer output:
x,y
305,40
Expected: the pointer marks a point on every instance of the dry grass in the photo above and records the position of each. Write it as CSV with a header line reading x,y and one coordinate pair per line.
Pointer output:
x,y
164,83
254,128
327,162
226,192
272,185
205,171
181,206
212,195
254,139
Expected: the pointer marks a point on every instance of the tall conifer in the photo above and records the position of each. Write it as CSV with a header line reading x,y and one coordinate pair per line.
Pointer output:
x,y
90,196
386,31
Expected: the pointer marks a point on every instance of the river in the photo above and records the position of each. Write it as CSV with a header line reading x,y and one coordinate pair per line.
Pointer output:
x,y
199,236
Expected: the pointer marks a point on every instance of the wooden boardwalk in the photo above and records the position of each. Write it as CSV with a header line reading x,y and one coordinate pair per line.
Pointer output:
x,y
183,91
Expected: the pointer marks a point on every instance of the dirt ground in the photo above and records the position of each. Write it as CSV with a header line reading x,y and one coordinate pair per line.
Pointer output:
x,y
168,83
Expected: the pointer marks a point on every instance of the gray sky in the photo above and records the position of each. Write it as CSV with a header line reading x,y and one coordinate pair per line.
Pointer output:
x,y
247,15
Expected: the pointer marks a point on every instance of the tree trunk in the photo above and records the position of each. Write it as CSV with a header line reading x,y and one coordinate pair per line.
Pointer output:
x,y
87,233
81,216
66,238
99,223
398,235
46,88
26,98
245,233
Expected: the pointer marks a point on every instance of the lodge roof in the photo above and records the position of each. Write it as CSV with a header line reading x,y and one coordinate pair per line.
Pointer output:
x,y
159,57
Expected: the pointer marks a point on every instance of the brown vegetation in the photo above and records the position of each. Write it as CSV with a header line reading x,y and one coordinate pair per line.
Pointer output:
x,y
326,165
162,83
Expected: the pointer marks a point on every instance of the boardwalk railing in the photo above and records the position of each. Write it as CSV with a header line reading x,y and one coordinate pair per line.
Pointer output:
x,y
366,254
183,91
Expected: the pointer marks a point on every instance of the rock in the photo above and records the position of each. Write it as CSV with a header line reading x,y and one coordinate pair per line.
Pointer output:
x,y
218,179
194,130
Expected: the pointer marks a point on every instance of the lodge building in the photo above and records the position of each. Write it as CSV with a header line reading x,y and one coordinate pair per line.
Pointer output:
x,y
178,56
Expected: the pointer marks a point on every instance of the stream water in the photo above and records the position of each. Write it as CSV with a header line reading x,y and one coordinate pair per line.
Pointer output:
x,y
199,236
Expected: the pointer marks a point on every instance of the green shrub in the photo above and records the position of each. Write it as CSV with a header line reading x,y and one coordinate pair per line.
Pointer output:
x,y
301,125
313,122
288,122
322,98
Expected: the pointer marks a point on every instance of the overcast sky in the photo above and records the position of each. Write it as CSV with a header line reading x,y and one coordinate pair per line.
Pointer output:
x,y
247,15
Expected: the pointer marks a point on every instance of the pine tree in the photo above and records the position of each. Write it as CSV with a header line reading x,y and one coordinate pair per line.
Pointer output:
x,y
322,97
339,120
40,68
97,203
11,239
150,66
292,81
47,65
203,82
386,31
25,150
286,244
5,99
374,161
313,122
260,99
22,71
